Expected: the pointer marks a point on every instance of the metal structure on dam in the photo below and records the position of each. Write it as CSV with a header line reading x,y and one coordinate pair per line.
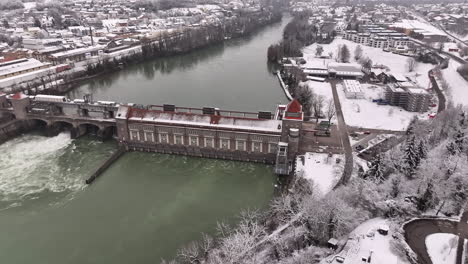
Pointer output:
x,y
266,137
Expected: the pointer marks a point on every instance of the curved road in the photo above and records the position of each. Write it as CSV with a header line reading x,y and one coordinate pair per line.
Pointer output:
x,y
440,95
417,230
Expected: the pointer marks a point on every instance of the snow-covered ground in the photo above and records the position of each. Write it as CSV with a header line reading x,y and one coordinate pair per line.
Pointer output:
x,y
396,63
320,169
321,88
364,240
29,5
364,113
442,247
458,89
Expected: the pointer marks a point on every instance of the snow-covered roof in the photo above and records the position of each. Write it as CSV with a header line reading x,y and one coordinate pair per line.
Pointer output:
x,y
19,65
251,124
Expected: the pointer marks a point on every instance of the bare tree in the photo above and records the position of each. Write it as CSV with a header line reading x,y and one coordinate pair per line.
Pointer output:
x,y
330,111
190,254
317,106
410,64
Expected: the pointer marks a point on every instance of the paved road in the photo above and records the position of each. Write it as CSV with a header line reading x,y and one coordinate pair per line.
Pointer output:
x,y
417,230
343,133
440,95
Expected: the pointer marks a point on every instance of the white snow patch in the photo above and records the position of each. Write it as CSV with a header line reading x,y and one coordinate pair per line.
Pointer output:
x,y
321,88
366,239
321,169
367,114
442,247
395,63
458,89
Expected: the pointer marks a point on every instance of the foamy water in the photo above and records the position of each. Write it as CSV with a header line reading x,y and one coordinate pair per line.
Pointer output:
x,y
31,164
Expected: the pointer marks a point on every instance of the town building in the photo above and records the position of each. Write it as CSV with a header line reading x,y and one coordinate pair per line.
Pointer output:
x,y
20,66
353,89
407,96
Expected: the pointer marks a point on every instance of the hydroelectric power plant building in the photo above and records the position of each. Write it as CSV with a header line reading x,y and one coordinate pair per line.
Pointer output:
x,y
202,132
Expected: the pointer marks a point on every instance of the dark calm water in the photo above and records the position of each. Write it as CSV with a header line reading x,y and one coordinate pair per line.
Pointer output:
x,y
233,76
146,205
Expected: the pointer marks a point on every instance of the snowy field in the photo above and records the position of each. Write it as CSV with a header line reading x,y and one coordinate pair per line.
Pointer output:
x,y
442,247
395,63
458,89
366,114
365,239
320,169
321,88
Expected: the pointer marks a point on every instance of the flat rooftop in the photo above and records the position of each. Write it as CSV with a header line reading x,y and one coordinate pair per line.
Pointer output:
x,y
201,120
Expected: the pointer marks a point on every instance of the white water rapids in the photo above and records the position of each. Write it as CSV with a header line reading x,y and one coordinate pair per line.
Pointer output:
x,y
30,164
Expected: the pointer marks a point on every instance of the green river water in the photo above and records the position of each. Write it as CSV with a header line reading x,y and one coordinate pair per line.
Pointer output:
x,y
146,205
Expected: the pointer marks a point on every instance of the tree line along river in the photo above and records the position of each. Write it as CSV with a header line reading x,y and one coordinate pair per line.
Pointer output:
x,y
146,205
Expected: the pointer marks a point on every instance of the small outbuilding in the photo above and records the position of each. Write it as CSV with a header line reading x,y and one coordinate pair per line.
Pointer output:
x,y
383,230
333,243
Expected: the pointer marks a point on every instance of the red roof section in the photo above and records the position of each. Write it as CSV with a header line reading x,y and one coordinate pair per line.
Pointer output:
x,y
18,95
294,107
294,111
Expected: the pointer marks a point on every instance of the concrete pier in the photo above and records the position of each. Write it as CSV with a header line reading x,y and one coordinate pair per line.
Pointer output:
x,y
283,85
106,164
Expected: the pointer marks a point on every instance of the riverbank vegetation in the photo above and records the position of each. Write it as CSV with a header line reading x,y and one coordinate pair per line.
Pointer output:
x,y
423,175
189,39
298,33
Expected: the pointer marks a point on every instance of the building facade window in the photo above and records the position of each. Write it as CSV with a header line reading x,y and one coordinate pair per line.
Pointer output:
x,y
272,147
134,135
240,145
163,138
209,142
193,140
149,136
256,146
178,139
224,143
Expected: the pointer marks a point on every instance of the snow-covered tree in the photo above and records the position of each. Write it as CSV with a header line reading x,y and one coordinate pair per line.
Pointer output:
x,y
410,64
426,201
344,53
358,52
411,159
376,170
422,149
319,50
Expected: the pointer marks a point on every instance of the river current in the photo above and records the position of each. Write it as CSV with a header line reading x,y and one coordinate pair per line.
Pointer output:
x,y
146,205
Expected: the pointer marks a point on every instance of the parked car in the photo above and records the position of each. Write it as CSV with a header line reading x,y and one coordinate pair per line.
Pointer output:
x,y
367,132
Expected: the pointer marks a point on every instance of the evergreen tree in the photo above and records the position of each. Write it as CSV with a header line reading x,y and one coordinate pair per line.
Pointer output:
x,y
422,149
452,148
395,189
462,120
344,53
411,158
426,201
459,138
459,195
376,170
318,51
